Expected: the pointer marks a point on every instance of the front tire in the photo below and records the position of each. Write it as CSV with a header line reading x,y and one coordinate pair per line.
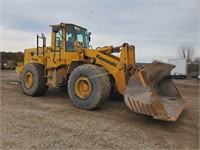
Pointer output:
x,y
89,86
33,81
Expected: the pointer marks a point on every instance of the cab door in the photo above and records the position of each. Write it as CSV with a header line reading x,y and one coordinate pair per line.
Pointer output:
x,y
69,52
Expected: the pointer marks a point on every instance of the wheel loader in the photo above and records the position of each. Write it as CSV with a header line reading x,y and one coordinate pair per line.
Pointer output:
x,y
89,75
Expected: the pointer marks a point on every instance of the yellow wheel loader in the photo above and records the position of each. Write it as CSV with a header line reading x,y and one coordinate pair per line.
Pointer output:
x,y
90,74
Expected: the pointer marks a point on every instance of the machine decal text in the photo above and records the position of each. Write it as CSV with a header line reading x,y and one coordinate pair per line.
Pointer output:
x,y
107,61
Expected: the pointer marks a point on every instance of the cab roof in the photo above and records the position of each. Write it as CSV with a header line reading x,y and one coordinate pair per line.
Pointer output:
x,y
67,24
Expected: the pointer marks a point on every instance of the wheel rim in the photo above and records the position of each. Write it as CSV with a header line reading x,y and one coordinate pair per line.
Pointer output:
x,y
28,80
83,87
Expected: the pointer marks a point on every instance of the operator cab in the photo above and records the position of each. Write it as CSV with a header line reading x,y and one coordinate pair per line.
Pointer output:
x,y
72,33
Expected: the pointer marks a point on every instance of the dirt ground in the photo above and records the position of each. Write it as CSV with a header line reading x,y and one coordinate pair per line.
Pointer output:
x,y
53,122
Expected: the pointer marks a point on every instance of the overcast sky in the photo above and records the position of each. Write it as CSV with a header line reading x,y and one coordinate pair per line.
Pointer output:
x,y
155,27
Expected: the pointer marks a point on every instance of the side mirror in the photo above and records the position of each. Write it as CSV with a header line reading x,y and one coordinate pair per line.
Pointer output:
x,y
89,38
55,29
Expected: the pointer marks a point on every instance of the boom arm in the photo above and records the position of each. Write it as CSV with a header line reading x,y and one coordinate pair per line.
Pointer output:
x,y
121,68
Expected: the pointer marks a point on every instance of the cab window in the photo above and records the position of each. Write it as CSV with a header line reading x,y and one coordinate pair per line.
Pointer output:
x,y
82,36
59,38
70,38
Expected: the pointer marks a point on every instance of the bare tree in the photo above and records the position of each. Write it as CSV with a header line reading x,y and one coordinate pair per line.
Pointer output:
x,y
186,51
196,60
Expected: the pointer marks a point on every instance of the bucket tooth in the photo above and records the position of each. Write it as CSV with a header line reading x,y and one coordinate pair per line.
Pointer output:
x,y
152,92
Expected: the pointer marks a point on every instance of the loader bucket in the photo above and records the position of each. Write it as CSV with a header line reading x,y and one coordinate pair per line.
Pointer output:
x,y
151,91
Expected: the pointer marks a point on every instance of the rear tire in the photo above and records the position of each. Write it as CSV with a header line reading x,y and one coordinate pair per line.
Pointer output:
x,y
33,81
89,86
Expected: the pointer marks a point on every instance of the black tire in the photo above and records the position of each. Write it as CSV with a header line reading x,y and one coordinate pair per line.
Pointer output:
x,y
100,86
38,87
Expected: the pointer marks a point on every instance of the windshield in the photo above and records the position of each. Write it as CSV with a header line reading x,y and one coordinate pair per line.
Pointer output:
x,y
82,36
75,33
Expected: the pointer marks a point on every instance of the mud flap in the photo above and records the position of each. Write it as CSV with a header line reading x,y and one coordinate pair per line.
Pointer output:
x,y
151,91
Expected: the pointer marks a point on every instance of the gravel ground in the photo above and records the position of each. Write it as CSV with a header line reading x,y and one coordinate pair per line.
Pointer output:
x,y
53,122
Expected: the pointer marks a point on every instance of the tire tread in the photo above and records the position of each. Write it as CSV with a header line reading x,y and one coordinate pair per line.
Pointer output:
x,y
104,81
